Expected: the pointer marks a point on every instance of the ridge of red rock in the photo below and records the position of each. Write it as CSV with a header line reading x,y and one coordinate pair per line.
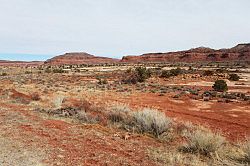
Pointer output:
x,y
241,52
79,58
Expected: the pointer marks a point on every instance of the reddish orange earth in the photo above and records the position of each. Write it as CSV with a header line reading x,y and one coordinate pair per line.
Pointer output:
x,y
232,119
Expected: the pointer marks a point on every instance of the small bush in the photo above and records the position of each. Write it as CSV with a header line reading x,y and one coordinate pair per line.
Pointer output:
x,y
208,73
234,77
140,74
203,141
35,97
151,121
246,149
58,71
165,74
171,73
118,113
4,74
102,81
84,117
28,72
220,86
175,72
47,70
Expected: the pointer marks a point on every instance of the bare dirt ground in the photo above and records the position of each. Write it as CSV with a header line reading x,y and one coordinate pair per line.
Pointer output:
x,y
29,137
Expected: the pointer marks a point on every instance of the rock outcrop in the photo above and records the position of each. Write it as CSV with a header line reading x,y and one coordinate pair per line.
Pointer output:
x,y
240,52
79,58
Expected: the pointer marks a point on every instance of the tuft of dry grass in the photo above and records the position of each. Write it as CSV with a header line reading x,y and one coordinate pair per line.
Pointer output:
x,y
173,158
203,142
245,147
58,101
118,113
84,117
151,121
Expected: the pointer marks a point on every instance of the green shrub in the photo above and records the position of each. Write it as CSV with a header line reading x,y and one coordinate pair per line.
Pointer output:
x,y
165,74
170,73
151,121
175,72
140,74
58,71
220,85
234,77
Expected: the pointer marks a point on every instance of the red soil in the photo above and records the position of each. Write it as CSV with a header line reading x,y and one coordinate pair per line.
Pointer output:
x,y
74,144
219,117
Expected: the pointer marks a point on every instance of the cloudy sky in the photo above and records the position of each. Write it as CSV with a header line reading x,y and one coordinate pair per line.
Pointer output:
x,y
38,29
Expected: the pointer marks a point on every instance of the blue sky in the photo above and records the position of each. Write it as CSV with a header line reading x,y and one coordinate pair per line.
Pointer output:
x,y
24,57
40,29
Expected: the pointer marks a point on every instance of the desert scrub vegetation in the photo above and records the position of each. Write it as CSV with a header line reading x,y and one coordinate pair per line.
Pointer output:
x,y
208,73
234,77
202,141
151,121
220,86
3,74
118,113
139,74
79,115
144,121
245,146
101,80
171,73
173,157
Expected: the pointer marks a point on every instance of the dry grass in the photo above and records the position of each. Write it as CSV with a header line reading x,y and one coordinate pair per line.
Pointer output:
x,y
245,146
175,158
151,121
84,117
118,112
203,142
58,101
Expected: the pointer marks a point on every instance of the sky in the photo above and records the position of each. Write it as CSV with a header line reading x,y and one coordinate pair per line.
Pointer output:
x,y
39,29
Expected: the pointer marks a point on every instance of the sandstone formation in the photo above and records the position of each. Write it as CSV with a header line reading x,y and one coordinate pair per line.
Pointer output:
x,y
240,52
79,58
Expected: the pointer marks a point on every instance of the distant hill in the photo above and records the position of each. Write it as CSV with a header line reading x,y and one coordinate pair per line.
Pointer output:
x,y
241,52
79,58
20,63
